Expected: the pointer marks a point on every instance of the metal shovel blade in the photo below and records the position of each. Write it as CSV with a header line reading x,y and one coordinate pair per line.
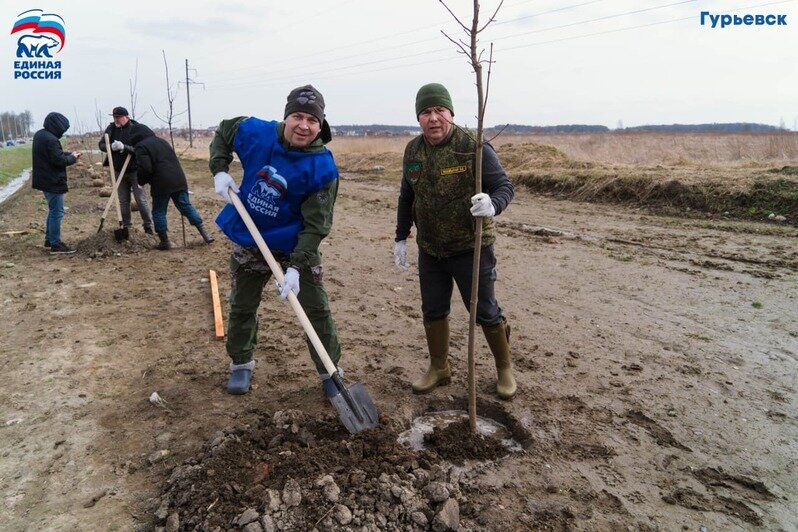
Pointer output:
x,y
354,405
123,233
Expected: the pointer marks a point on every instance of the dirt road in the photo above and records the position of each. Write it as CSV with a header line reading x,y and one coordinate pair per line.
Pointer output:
x,y
656,358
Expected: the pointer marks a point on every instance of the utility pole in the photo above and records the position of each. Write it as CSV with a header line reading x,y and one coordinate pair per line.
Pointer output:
x,y
188,100
188,83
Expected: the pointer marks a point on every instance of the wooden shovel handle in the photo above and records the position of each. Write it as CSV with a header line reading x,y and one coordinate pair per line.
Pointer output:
x,y
278,274
116,187
113,175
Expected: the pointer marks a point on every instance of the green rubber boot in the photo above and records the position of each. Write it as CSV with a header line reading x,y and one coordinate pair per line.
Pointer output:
x,y
439,372
498,337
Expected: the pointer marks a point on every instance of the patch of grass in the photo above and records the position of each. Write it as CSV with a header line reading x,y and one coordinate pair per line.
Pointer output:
x,y
757,304
14,159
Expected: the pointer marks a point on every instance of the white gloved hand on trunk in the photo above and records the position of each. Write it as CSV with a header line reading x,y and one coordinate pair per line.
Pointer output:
x,y
291,283
117,145
481,205
400,255
221,182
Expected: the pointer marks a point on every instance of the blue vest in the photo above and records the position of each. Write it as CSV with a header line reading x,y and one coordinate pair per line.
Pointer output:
x,y
276,183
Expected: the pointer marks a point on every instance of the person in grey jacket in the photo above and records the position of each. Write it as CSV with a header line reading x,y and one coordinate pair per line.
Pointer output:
x,y
49,175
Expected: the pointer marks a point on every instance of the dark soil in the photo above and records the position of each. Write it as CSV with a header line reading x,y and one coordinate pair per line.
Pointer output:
x,y
456,443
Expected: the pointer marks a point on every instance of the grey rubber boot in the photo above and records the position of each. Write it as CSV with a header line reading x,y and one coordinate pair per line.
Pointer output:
x,y
204,234
439,372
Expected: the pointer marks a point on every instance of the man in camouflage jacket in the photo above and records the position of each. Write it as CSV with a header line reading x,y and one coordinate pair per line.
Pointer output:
x,y
437,195
289,187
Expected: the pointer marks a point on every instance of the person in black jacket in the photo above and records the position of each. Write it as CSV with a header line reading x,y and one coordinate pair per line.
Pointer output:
x,y
49,175
158,166
120,131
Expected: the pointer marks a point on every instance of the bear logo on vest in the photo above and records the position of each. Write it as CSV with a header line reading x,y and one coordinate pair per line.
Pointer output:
x,y
265,196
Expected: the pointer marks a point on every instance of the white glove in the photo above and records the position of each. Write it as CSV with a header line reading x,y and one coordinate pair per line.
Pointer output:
x,y
481,205
291,283
117,145
400,255
221,182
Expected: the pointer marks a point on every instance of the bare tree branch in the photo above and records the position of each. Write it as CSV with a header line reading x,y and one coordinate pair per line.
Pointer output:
x,y
499,133
170,98
492,17
462,48
133,84
454,16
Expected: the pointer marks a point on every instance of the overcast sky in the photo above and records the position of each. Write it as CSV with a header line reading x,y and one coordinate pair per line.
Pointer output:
x,y
556,61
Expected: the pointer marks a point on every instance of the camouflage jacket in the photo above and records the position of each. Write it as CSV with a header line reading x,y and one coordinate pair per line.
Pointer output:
x,y
437,185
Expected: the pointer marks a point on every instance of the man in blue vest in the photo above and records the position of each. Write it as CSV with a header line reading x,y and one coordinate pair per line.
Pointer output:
x,y
289,188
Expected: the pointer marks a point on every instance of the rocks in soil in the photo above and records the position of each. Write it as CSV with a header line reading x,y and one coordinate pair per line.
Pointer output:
x,y
448,518
329,481
173,522
329,488
292,493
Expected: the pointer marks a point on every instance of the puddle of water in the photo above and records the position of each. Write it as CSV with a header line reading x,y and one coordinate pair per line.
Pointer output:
x,y
14,185
413,437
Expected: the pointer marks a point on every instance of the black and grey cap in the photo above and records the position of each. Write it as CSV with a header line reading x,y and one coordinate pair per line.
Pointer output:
x,y
307,99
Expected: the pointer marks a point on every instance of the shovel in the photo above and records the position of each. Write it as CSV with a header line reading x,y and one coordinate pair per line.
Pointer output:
x,y
355,408
123,233
113,193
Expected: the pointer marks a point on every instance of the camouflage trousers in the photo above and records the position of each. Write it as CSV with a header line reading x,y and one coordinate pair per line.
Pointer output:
x,y
249,273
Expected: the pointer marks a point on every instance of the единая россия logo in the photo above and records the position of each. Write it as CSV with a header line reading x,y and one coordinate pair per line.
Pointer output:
x,y
41,36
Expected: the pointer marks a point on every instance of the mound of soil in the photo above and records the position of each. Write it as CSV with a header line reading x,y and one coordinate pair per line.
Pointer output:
x,y
531,155
292,473
103,244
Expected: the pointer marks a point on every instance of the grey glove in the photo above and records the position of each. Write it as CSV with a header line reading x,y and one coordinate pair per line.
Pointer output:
x,y
400,255
118,145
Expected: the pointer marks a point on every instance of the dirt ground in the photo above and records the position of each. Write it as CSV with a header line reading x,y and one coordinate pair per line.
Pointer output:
x,y
656,359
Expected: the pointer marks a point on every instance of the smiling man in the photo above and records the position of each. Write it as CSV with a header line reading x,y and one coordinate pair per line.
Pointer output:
x,y
289,188
437,195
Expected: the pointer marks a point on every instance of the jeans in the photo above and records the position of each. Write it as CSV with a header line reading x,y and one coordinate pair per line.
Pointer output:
x,y
130,183
437,276
55,206
249,275
161,202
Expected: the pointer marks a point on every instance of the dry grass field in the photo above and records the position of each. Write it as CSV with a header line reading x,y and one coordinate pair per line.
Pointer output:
x,y
735,175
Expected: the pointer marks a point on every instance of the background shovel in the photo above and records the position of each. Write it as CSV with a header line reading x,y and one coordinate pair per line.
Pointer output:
x,y
123,233
113,193
355,408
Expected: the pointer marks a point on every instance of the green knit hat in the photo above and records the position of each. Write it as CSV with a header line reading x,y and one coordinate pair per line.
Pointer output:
x,y
433,95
